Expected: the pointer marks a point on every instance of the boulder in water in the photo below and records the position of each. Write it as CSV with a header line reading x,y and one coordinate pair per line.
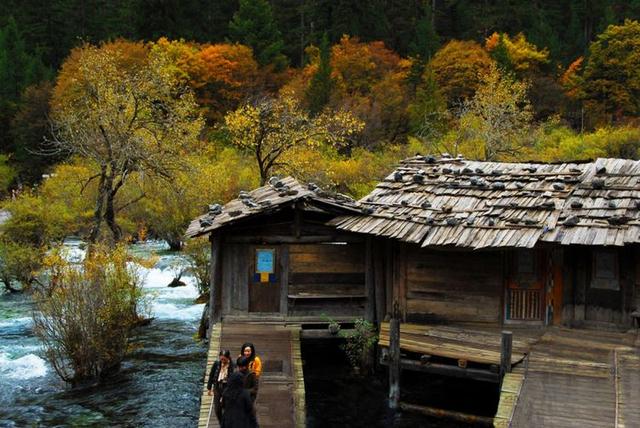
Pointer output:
x,y
176,282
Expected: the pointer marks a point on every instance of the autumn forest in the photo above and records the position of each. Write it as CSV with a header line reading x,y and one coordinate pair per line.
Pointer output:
x,y
123,120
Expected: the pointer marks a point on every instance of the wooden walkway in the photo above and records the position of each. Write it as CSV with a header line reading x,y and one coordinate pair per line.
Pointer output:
x,y
281,398
574,378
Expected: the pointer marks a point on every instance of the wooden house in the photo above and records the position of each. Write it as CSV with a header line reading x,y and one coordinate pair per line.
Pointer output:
x,y
451,240
502,243
459,251
274,257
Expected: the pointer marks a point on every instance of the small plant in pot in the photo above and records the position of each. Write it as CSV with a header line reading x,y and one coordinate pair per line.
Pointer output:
x,y
333,326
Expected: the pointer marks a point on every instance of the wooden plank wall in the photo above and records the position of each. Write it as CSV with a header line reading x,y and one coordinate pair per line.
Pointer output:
x,y
449,286
585,304
235,278
334,270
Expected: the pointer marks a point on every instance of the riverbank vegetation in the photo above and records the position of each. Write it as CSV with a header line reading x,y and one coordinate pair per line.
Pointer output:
x,y
124,121
85,315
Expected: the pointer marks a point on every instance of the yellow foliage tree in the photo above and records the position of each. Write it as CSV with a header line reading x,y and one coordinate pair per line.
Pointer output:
x,y
270,127
523,55
119,108
611,82
497,119
217,175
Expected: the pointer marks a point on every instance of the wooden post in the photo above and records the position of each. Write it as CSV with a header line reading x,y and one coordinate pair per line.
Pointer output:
x,y
394,358
369,281
284,280
506,345
378,279
215,282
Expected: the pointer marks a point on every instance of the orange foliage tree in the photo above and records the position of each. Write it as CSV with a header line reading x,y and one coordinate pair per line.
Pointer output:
x,y
370,81
222,75
457,67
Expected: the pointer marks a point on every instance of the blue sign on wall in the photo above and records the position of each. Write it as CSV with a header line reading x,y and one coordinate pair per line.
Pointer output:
x,y
265,261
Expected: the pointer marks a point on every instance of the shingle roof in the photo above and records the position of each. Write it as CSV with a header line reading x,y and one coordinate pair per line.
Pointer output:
x,y
473,204
270,198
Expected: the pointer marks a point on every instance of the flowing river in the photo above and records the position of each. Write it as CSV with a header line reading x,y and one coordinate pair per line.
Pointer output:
x,y
158,384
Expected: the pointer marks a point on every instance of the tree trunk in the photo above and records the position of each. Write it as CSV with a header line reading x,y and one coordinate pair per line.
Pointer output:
x,y
175,244
110,218
8,287
98,215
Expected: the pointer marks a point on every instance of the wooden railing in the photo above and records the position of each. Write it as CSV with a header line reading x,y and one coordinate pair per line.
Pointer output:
x,y
525,305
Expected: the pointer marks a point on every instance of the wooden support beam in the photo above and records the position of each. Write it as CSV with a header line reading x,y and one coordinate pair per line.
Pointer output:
x,y
297,220
215,281
284,280
323,333
388,275
394,358
379,279
287,239
446,370
448,414
369,281
506,347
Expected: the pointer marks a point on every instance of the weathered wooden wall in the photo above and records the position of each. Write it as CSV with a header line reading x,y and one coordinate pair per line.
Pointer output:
x,y
326,278
587,304
319,271
451,286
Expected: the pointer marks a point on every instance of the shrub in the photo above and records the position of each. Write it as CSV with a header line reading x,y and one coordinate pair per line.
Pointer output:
x,y
85,318
199,252
19,264
359,341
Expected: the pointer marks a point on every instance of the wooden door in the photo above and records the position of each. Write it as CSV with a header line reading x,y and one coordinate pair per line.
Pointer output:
x,y
525,286
264,284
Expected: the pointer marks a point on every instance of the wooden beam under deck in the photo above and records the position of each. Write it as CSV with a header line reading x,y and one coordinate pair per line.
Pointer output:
x,y
448,370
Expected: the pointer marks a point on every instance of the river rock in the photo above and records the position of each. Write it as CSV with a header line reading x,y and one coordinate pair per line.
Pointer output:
x,y
176,282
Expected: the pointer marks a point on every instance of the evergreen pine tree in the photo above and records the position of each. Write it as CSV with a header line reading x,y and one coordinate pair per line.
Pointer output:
x,y
427,112
425,40
319,90
13,62
501,55
254,26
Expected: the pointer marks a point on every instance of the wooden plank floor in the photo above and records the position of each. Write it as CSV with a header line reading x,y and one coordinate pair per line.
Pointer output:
x,y
576,378
460,343
280,401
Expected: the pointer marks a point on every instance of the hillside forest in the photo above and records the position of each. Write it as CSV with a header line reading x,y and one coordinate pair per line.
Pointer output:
x,y
123,120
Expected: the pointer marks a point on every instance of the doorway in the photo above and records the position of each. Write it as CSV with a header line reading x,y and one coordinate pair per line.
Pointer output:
x,y
524,300
264,284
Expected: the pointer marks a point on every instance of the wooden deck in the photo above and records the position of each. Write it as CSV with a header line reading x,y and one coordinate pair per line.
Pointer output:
x,y
561,377
281,401
475,345
574,378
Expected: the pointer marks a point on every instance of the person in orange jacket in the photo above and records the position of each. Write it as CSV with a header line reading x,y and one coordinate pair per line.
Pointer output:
x,y
249,352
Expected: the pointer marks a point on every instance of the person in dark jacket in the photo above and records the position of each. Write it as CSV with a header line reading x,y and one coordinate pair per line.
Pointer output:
x,y
237,405
249,377
218,378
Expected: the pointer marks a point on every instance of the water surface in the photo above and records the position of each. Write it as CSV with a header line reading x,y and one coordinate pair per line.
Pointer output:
x,y
158,385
